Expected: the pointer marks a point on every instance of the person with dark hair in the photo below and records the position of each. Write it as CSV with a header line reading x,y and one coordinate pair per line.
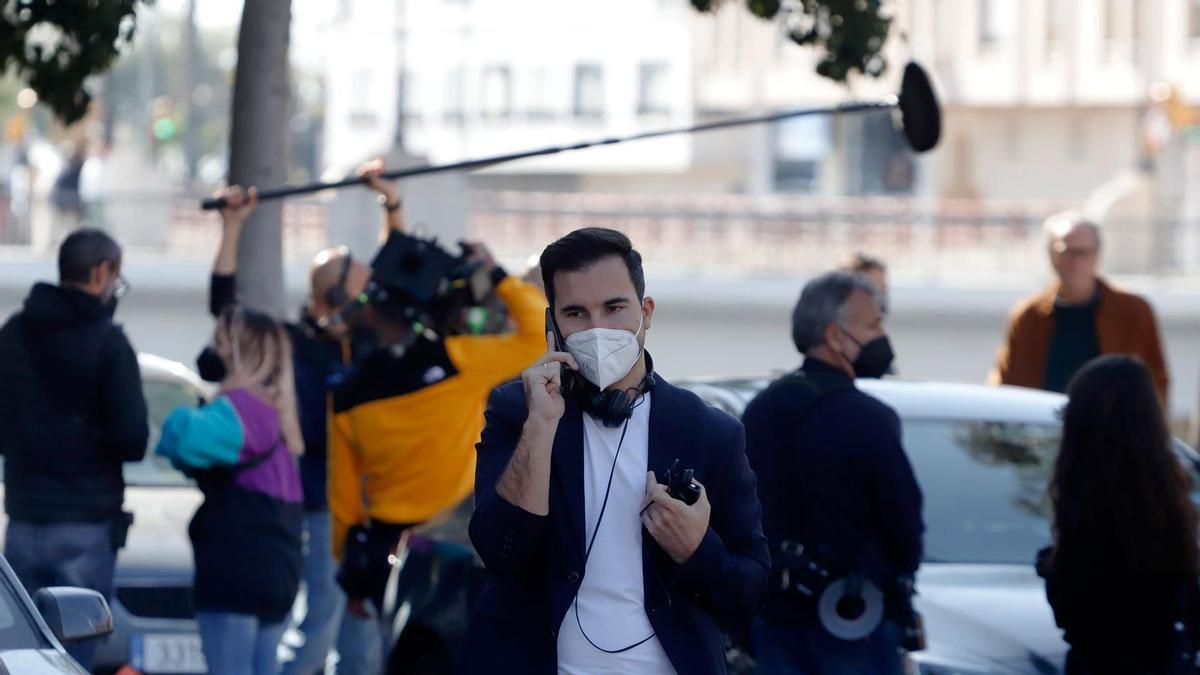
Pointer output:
x,y
1122,575
1077,318
71,413
838,493
616,513
241,449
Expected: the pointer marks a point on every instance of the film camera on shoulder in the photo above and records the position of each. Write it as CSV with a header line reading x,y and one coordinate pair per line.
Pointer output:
x,y
417,280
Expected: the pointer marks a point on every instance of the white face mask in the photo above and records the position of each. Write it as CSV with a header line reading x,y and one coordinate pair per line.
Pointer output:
x,y
605,355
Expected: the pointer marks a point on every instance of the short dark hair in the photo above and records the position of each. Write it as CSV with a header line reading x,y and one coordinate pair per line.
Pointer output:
x,y
83,251
822,302
583,248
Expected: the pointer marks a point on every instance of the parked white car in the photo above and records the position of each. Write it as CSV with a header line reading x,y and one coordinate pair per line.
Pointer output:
x,y
983,457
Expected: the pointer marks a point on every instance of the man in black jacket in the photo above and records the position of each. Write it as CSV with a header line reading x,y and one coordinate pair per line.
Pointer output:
x,y
836,483
71,413
595,567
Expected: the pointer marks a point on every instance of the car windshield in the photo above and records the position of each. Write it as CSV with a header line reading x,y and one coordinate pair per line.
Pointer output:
x,y
983,482
162,396
17,630
984,485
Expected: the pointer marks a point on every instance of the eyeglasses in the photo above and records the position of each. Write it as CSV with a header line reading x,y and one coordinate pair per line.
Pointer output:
x,y
1080,253
122,287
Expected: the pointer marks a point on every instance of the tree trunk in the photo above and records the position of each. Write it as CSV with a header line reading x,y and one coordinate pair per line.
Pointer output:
x,y
258,146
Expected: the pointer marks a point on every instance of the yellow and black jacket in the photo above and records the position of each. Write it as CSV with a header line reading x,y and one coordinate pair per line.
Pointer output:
x,y
404,427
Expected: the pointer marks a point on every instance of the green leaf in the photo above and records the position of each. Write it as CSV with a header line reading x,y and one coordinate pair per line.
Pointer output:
x,y
56,46
849,34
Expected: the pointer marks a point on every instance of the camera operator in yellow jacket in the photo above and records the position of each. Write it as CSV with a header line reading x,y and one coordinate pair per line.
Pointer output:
x,y
405,423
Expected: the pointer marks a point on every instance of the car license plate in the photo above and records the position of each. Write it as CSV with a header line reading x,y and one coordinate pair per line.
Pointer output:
x,y
168,654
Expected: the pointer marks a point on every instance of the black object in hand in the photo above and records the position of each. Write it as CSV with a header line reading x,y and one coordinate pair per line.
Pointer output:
x,y
681,486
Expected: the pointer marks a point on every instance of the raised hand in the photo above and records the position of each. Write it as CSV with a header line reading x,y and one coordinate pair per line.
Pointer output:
x,y
543,384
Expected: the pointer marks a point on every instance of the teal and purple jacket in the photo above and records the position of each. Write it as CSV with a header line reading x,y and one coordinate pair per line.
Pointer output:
x,y
246,536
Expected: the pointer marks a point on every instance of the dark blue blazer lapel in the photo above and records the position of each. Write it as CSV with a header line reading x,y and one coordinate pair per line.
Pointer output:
x,y
668,442
567,466
664,427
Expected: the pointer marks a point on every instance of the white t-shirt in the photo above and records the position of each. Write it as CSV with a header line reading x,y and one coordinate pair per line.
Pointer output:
x,y
611,599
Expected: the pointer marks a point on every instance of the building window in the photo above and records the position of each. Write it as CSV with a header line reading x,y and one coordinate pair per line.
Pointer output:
x,y
540,101
454,95
1057,23
997,22
800,146
1122,26
654,89
497,92
589,90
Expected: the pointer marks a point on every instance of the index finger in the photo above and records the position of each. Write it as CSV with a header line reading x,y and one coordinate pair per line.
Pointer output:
x,y
558,357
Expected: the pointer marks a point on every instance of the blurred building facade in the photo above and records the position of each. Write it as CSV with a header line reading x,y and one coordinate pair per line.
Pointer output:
x,y
1056,84
1045,101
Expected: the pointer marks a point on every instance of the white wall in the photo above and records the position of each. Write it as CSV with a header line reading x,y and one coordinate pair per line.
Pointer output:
x,y
531,38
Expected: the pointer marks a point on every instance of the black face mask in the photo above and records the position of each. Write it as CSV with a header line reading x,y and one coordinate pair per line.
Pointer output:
x,y
874,358
210,366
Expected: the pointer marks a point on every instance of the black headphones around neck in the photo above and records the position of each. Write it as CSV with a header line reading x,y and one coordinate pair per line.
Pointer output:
x,y
336,296
613,407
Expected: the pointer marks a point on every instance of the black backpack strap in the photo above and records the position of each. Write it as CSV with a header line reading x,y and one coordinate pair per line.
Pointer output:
x,y
807,390
261,459
803,393
209,479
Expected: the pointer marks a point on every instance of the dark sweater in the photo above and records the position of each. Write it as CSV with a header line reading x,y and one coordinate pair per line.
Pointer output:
x,y
1074,343
71,409
833,475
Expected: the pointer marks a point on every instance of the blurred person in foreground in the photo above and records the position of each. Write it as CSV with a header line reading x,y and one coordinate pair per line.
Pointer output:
x,y
1122,573
327,340
72,413
838,491
1052,334
246,536
406,420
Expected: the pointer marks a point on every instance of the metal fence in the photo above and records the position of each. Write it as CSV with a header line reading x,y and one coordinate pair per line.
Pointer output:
x,y
773,236
922,241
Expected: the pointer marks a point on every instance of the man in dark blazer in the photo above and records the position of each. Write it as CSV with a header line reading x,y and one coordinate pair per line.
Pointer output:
x,y
594,567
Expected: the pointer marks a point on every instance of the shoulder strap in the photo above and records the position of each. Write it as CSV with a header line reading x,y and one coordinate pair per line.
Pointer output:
x,y
212,479
261,459
809,390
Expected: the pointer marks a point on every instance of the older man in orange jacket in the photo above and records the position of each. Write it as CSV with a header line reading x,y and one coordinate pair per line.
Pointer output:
x,y
1079,317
